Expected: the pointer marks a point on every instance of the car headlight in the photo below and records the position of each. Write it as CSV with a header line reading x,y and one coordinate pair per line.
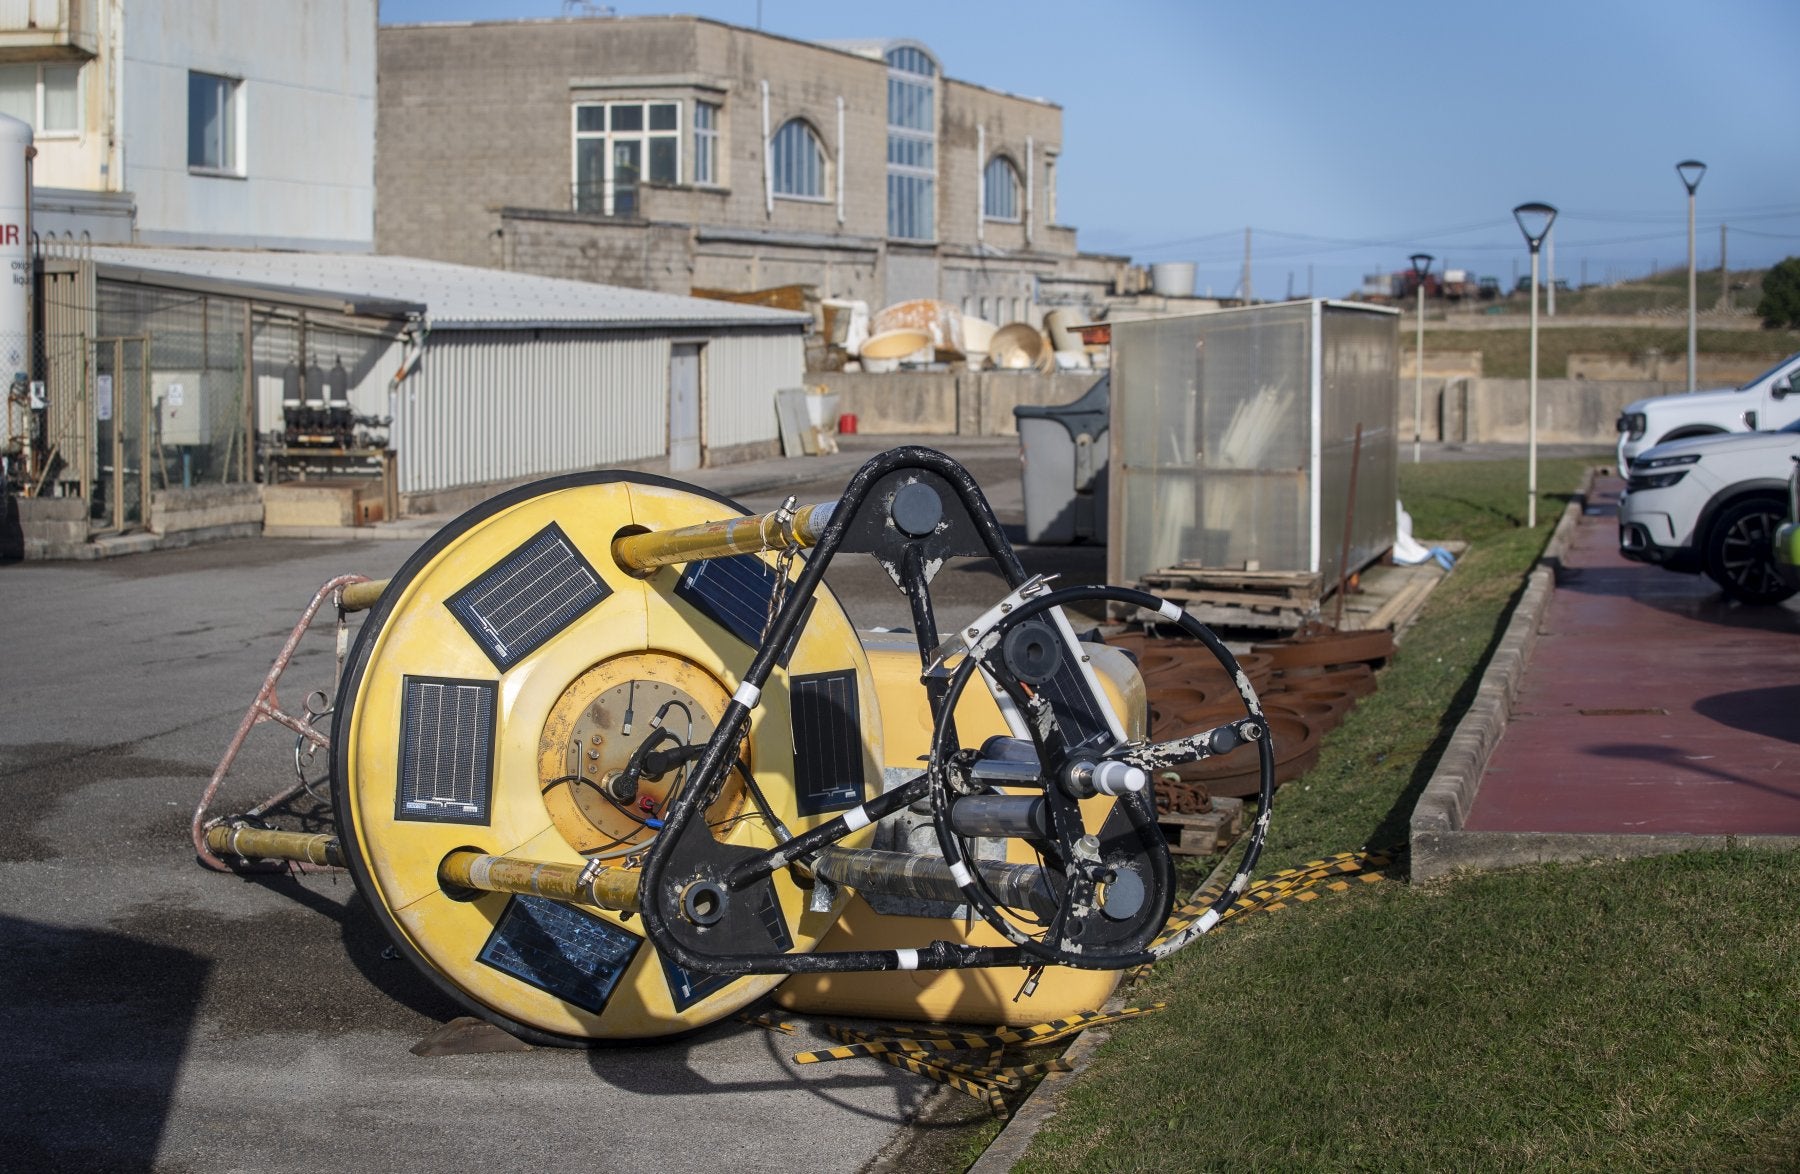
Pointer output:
x,y
1633,424
1660,472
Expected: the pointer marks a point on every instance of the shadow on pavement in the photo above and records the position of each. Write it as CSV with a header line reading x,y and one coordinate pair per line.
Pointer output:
x,y
673,1067
95,1031
1770,712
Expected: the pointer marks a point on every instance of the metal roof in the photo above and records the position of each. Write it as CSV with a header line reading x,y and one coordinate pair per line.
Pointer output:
x,y
448,297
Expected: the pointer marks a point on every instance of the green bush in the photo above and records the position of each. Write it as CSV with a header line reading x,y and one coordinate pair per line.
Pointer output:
x,y
1780,305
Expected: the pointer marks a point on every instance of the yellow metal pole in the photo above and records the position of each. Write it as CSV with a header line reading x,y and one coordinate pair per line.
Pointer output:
x,y
586,883
777,530
362,596
265,844
604,888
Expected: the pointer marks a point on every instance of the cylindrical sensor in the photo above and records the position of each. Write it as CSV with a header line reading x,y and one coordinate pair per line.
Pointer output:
x,y
1001,815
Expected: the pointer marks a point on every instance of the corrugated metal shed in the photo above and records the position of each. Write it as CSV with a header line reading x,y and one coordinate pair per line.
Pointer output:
x,y
494,377
452,296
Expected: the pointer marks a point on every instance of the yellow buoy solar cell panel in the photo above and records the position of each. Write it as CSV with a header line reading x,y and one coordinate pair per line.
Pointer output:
x,y
494,702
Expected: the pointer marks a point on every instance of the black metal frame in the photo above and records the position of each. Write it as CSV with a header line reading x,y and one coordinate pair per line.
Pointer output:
x,y
663,895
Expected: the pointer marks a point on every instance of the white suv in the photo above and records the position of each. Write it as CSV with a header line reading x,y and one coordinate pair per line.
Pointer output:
x,y
1770,401
1712,504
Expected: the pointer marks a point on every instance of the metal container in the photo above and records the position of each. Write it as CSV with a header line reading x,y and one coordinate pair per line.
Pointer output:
x,y
1172,279
1233,436
1062,457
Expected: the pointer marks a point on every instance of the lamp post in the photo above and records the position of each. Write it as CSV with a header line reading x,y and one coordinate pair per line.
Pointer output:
x,y
1421,266
1534,221
1691,171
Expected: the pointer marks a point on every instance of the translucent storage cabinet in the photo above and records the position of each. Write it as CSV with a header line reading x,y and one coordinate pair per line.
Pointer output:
x,y
1233,435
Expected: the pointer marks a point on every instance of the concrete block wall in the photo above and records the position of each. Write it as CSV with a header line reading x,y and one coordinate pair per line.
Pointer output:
x,y
54,527
562,244
212,511
946,403
1497,411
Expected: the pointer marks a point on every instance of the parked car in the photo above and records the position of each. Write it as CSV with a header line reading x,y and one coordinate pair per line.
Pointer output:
x,y
1712,504
1787,538
1767,402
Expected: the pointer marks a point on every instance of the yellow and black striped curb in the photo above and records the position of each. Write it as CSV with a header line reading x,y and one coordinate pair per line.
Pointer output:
x,y
983,1072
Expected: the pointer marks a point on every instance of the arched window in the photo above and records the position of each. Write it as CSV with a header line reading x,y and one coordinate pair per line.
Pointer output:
x,y
1000,195
798,161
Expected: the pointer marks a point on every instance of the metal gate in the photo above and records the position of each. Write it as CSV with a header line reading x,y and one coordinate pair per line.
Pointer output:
x,y
120,395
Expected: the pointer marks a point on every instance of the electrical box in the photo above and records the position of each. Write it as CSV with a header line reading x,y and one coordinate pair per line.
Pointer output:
x,y
180,407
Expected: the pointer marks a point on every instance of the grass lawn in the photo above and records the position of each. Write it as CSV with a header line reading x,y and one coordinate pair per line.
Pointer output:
x,y
1625,1015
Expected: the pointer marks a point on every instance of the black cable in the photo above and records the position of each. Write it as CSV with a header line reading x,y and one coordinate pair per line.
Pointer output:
x,y
757,797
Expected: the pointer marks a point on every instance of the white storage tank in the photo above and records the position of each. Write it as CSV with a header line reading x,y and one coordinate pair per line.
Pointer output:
x,y
1172,279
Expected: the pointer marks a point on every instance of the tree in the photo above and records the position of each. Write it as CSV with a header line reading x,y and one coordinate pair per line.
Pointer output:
x,y
1780,305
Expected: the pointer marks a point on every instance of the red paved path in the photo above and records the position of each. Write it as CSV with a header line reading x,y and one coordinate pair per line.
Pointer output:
x,y
1623,636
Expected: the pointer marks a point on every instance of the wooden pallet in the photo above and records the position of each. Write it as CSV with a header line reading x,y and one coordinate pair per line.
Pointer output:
x,y
1236,598
1206,834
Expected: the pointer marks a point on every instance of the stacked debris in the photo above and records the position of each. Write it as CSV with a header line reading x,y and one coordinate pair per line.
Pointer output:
x,y
1307,683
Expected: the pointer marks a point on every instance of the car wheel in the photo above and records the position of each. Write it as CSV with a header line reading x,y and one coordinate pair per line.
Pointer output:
x,y
1739,552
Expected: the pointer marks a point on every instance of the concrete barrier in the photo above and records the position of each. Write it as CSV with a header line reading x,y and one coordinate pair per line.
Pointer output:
x,y
947,403
1459,409
1498,411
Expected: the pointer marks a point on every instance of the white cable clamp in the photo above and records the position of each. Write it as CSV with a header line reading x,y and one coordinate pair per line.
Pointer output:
x,y
1170,610
747,695
857,818
959,872
906,959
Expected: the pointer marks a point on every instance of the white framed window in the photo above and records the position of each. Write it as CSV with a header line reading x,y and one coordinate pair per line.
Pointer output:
x,y
1000,190
706,142
46,95
797,161
215,123
619,145
912,143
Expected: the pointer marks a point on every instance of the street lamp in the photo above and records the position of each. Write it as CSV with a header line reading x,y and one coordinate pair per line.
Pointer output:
x,y
1534,221
1421,266
1691,171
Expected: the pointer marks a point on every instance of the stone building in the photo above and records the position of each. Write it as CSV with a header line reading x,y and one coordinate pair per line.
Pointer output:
x,y
675,153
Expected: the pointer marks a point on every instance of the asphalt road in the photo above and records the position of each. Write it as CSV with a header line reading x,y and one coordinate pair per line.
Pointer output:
x,y
160,1016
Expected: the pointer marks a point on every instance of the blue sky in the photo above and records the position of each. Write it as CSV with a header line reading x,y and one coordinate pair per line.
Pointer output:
x,y
1347,136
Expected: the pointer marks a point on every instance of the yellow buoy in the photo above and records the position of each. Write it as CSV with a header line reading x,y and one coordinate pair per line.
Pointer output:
x,y
494,702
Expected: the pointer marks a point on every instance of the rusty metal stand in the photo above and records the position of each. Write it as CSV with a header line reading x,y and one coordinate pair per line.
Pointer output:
x,y
267,708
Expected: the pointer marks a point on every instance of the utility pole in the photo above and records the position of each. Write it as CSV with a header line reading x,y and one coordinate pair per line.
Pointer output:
x,y
1724,274
1247,293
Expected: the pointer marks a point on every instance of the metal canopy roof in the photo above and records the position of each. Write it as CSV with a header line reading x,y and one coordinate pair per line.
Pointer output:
x,y
448,297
